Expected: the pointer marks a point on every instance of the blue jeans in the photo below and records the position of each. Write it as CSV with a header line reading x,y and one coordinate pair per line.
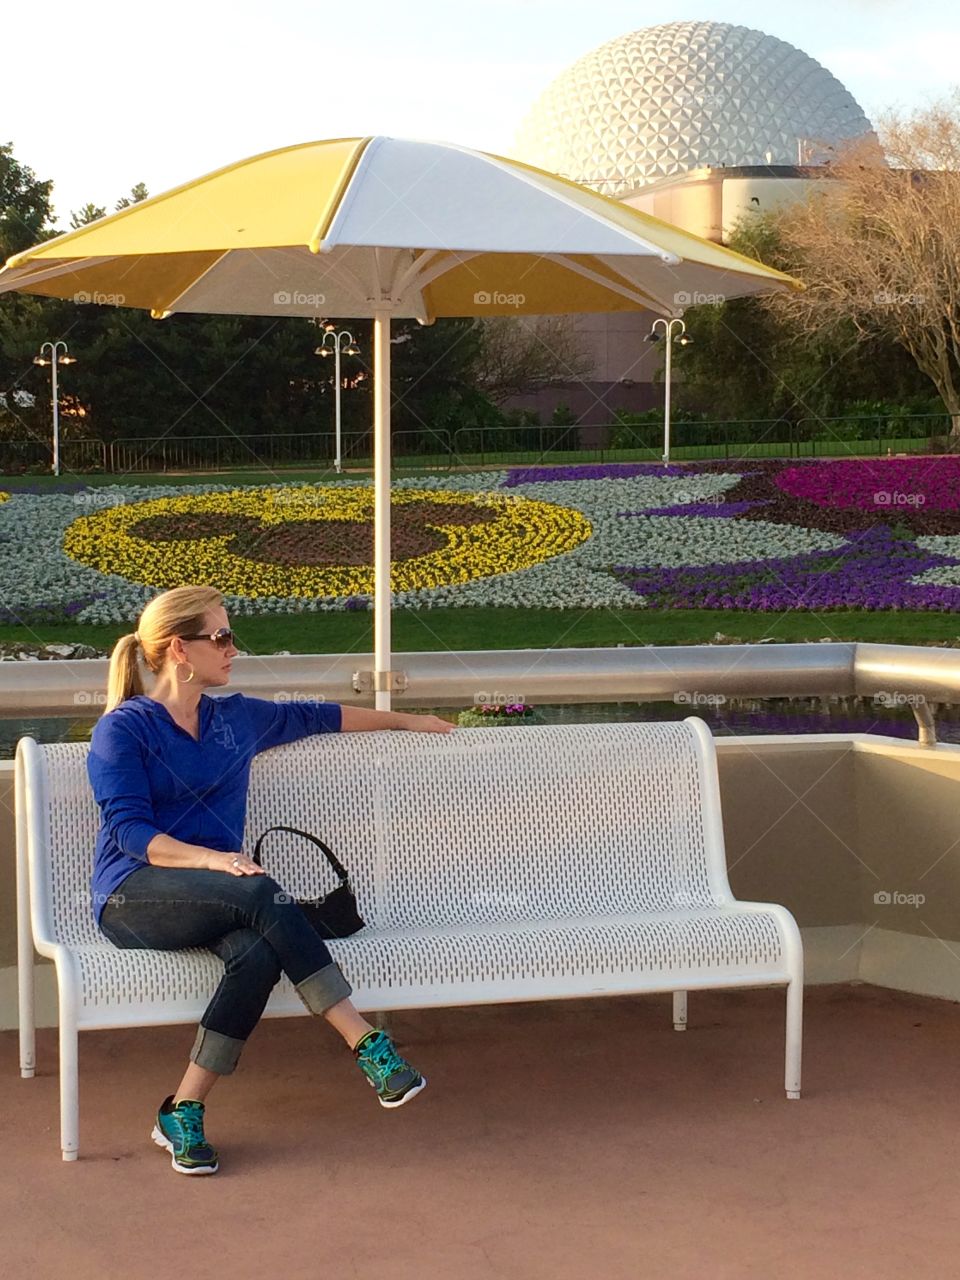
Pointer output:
x,y
250,923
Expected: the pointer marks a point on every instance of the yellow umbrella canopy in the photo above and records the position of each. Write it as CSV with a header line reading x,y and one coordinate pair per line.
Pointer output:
x,y
384,227
351,226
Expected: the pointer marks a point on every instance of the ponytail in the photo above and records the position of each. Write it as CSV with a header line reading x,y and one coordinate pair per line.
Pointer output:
x,y
124,679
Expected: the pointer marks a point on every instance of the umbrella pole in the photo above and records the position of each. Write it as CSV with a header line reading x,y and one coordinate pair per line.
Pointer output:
x,y
381,509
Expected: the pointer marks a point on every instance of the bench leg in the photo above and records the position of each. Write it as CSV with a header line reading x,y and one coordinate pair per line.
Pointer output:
x,y
679,1011
27,1015
69,1076
25,976
794,1048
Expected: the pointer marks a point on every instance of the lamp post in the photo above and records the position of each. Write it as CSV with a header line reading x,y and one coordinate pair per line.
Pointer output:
x,y
333,344
671,337
58,355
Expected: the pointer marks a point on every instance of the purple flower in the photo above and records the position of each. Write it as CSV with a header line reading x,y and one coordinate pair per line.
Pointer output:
x,y
591,471
871,571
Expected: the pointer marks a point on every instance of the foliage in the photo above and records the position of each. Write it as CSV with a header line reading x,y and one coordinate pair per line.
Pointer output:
x,y
522,354
876,248
752,359
25,209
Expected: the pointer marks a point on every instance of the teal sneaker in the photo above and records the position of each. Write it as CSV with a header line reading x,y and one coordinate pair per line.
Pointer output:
x,y
180,1130
395,1081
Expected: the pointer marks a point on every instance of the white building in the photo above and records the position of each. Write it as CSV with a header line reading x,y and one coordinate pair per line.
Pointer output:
x,y
698,123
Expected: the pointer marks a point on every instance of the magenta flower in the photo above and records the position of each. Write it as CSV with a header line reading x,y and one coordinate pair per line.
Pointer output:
x,y
887,486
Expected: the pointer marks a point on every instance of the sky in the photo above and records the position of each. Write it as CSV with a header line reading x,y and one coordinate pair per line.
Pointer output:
x,y
102,95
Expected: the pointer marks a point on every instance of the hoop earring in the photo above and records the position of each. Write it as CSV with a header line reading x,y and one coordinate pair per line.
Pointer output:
x,y
180,667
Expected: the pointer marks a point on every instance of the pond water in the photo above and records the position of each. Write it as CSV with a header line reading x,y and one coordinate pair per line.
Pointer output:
x,y
735,717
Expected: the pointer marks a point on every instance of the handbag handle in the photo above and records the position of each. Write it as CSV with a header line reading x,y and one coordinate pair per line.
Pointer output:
x,y
324,849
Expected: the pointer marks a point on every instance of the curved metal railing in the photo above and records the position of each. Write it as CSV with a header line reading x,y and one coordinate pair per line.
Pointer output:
x,y
913,677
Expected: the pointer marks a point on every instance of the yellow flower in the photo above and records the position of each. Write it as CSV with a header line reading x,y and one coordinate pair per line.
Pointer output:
x,y
522,533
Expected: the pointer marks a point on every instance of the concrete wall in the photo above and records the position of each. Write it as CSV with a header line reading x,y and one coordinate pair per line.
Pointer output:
x,y
695,204
822,824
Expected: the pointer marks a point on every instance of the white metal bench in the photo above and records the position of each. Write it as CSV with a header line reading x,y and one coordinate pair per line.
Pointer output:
x,y
491,865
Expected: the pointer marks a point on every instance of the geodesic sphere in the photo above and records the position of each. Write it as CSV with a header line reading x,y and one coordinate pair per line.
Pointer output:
x,y
666,99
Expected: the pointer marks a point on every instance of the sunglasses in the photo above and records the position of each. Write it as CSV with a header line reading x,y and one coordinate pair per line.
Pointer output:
x,y
222,637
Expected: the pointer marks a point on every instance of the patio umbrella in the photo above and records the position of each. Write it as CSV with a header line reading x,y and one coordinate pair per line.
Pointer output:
x,y
384,227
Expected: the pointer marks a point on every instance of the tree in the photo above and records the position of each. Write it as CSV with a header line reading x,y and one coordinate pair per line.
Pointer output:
x,y
522,355
91,212
751,360
138,192
433,378
25,210
876,245
25,216
86,214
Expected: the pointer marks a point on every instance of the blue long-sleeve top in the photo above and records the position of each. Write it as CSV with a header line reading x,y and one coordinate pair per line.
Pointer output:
x,y
150,777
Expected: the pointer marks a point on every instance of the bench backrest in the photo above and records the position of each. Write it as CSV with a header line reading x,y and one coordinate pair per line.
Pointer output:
x,y
481,825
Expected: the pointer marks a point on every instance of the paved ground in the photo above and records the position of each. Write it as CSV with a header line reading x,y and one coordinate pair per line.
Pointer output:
x,y
564,1140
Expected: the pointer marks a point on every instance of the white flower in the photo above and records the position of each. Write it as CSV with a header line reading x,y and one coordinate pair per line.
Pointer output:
x,y
35,570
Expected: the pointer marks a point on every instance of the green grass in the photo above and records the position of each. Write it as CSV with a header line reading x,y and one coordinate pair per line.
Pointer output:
x,y
438,629
361,467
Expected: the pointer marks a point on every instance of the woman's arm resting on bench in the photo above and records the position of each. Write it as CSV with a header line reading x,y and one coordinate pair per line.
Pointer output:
x,y
165,851
357,719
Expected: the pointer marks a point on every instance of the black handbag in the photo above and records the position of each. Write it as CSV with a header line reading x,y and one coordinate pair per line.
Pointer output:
x,y
335,915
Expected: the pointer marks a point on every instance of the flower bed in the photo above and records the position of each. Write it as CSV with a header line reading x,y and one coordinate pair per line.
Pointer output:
x,y
318,542
758,536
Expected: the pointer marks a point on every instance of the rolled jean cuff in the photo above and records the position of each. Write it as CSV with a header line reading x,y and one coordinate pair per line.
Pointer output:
x,y
324,988
215,1051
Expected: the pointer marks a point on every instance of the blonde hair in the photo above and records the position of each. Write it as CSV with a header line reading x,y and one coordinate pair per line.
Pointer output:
x,y
179,612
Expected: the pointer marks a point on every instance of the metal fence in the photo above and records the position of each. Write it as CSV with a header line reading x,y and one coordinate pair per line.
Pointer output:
x,y
273,452
34,455
485,446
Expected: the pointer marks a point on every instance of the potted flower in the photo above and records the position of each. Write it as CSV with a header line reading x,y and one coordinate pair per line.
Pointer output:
x,y
492,715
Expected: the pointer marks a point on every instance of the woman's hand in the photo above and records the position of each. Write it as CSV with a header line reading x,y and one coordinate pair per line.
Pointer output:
x,y
363,719
424,724
234,864
165,851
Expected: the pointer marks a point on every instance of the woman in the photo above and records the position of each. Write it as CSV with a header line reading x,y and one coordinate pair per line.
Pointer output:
x,y
170,772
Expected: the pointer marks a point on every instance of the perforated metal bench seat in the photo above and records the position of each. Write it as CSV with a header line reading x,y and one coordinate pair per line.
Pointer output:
x,y
438,965
490,866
